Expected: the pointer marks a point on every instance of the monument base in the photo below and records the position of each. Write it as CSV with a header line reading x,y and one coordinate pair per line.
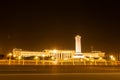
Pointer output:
x,y
78,55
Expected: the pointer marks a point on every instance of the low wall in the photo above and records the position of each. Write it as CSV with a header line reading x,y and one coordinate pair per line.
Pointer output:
x,y
31,69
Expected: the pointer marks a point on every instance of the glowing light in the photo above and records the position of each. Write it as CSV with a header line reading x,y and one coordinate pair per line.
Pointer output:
x,y
19,57
10,54
55,62
52,58
43,55
100,58
87,59
78,56
14,56
65,58
112,57
36,58
54,51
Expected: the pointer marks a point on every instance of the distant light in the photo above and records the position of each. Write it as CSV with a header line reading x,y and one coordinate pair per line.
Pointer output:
x,y
100,58
43,55
19,57
55,62
112,57
54,51
10,54
65,58
52,58
36,58
78,57
87,59
14,56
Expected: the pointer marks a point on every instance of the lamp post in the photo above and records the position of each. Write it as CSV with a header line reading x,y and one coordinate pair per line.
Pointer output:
x,y
19,58
112,58
36,60
43,58
55,54
9,55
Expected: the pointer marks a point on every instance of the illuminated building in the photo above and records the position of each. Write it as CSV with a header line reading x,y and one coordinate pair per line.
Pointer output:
x,y
58,54
61,54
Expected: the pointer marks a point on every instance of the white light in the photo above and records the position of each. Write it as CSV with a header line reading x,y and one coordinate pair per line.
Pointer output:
x,y
78,57
54,51
43,55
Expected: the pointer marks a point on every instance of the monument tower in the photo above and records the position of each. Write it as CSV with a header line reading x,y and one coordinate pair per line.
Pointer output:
x,y
78,44
78,53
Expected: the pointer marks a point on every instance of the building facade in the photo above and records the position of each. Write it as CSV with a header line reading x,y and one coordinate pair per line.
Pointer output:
x,y
61,54
58,54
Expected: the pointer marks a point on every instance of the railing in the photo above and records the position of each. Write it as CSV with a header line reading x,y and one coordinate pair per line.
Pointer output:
x,y
61,62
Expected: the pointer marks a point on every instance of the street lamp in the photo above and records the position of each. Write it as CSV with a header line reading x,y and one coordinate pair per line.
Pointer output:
x,y
36,58
100,58
10,55
54,51
112,57
55,62
14,56
43,58
53,58
19,58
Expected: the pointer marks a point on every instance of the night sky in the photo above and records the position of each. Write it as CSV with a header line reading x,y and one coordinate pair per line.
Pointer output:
x,y
54,24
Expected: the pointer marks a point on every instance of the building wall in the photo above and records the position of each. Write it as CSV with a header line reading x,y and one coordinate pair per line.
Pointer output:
x,y
58,54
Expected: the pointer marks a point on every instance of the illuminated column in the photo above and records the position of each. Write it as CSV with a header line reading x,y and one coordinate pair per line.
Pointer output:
x,y
78,44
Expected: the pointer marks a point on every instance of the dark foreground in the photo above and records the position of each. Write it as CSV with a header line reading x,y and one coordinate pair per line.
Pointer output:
x,y
59,72
63,76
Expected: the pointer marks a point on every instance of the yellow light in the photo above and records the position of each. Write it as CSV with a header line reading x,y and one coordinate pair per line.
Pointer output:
x,y
14,55
36,57
52,58
100,58
55,62
111,56
92,60
19,57
87,59
10,54
113,59
65,58
81,60
54,51
43,55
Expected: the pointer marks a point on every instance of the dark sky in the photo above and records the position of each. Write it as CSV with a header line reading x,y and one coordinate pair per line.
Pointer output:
x,y
53,24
